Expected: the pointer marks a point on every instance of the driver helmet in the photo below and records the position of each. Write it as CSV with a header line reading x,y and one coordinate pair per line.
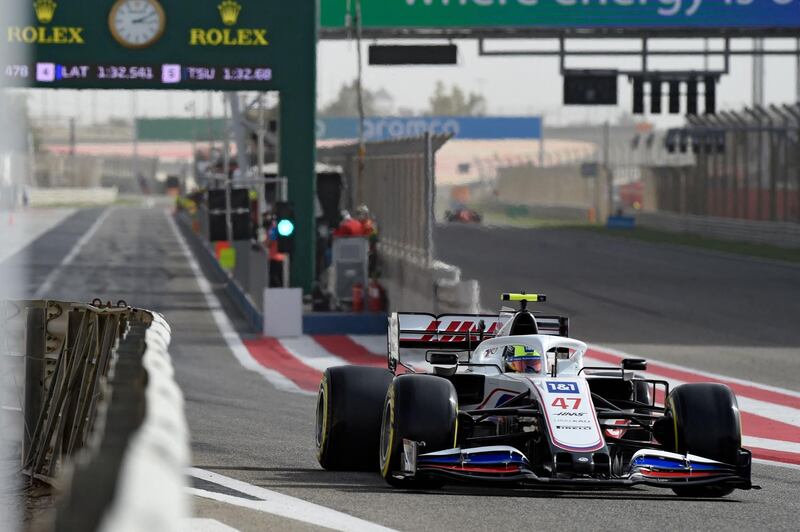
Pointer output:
x,y
523,359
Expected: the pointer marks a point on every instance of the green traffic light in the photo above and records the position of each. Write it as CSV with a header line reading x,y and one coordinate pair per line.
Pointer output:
x,y
285,228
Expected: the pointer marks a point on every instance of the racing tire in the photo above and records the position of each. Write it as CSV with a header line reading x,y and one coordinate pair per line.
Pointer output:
x,y
348,420
422,408
706,423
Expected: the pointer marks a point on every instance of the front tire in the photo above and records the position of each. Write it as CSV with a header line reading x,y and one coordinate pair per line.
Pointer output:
x,y
348,421
422,408
706,423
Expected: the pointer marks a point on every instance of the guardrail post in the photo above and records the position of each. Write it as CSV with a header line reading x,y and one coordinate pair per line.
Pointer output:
x,y
34,374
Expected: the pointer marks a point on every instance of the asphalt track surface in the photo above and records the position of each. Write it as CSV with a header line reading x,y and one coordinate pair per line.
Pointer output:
x,y
244,428
715,312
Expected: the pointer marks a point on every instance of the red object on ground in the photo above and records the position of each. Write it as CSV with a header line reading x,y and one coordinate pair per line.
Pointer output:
x,y
358,297
375,297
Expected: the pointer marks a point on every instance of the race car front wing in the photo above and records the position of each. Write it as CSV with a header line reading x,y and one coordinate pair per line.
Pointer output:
x,y
505,464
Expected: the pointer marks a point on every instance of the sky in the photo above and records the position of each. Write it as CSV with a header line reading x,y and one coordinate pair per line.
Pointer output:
x,y
511,85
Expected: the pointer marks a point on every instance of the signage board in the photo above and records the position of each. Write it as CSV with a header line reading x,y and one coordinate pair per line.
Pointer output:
x,y
569,14
207,44
461,127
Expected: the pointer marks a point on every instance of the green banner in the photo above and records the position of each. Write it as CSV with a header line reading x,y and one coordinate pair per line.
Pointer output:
x,y
567,14
180,129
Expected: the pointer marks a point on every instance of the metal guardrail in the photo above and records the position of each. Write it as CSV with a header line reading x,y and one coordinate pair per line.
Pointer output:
x,y
778,234
99,407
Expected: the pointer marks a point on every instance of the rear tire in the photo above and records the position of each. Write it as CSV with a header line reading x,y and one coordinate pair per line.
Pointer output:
x,y
348,424
706,423
422,408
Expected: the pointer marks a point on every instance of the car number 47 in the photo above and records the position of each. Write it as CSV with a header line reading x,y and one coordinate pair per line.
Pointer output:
x,y
561,402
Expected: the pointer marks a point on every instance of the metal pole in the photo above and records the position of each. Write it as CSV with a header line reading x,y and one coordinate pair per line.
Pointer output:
x,y
541,143
758,72
226,141
607,167
194,141
362,147
797,73
261,157
430,197
210,116
134,112
239,137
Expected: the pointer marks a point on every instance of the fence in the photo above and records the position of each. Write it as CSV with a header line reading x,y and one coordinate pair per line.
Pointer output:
x,y
101,415
397,182
747,166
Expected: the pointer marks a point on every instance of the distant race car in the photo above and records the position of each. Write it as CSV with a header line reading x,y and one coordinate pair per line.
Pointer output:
x,y
507,399
463,215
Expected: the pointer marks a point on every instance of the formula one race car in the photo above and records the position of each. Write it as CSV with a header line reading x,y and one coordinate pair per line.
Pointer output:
x,y
507,399
463,215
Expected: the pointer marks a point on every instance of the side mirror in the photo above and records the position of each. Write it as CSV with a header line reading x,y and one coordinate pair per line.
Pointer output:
x,y
637,364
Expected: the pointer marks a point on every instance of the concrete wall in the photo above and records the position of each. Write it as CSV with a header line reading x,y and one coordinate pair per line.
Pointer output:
x,y
413,286
780,234
43,197
561,186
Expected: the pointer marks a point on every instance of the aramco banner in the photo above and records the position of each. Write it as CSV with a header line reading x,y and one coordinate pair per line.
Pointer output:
x,y
461,127
558,14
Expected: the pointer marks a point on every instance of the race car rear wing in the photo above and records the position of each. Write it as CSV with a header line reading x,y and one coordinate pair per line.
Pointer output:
x,y
455,332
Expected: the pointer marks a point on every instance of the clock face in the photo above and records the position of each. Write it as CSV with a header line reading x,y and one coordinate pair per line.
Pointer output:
x,y
137,23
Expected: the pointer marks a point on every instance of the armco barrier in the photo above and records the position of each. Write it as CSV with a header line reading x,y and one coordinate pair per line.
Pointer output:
x,y
46,197
414,286
772,233
104,417
150,492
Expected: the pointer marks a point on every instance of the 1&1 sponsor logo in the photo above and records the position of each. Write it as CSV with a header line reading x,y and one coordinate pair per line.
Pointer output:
x,y
563,387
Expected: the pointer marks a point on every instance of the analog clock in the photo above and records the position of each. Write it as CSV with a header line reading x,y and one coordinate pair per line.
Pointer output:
x,y
137,23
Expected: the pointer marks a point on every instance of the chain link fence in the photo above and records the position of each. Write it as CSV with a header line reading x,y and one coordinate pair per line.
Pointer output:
x,y
747,166
397,183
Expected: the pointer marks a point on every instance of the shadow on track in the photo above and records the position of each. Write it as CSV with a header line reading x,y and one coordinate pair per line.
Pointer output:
x,y
363,483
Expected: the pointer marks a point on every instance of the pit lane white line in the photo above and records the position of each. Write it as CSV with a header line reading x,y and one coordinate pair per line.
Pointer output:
x,y
27,227
309,352
698,372
774,445
226,329
373,343
279,504
47,285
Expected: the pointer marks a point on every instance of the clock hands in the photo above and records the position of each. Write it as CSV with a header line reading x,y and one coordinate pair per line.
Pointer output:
x,y
143,19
